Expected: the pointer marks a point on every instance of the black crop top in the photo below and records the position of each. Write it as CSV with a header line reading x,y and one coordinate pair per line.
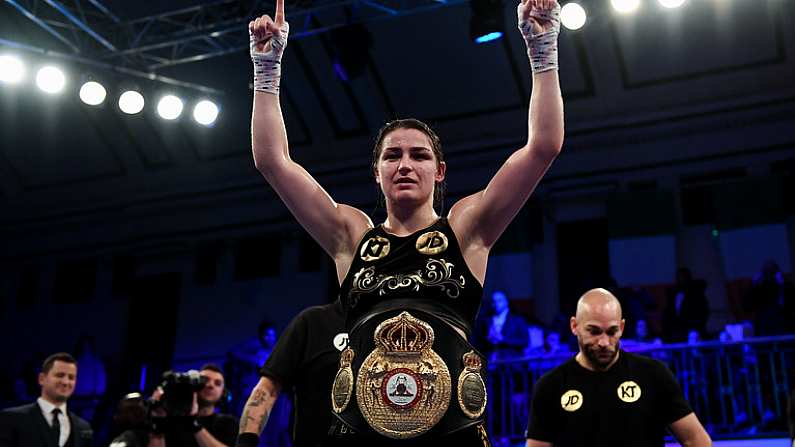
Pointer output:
x,y
425,270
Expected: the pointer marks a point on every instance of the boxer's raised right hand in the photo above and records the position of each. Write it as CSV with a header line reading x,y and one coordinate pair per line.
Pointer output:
x,y
267,38
268,34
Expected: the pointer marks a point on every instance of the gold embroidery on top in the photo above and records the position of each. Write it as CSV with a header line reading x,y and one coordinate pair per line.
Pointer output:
x,y
431,243
375,248
437,273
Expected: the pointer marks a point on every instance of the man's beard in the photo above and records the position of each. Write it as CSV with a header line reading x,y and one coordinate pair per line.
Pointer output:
x,y
599,362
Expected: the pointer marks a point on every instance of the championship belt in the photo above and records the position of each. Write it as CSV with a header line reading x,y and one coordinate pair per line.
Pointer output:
x,y
403,387
472,395
343,382
421,379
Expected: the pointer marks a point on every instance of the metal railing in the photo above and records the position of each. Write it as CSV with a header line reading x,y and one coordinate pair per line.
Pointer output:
x,y
735,388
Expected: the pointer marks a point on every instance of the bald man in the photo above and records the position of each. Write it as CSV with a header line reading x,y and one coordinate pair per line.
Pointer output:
x,y
605,396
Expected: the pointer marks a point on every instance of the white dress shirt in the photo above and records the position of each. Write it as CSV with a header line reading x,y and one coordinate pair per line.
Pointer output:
x,y
46,410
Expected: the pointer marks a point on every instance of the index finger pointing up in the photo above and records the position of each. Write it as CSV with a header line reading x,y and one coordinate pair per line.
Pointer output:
x,y
279,17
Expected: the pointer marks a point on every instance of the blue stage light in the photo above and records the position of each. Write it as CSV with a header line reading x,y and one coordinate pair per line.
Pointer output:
x,y
488,37
486,20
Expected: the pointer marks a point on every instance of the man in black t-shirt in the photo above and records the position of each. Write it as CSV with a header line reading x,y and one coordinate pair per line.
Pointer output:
x,y
304,360
608,397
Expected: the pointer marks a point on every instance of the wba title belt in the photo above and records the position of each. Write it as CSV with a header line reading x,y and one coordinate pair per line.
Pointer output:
x,y
403,387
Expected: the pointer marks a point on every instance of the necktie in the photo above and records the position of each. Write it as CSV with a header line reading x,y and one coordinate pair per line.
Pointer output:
x,y
56,426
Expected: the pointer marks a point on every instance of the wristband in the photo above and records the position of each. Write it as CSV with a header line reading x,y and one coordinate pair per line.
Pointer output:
x,y
247,440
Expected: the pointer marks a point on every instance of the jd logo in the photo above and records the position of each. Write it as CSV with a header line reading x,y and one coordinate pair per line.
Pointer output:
x,y
431,243
629,392
571,400
375,248
341,341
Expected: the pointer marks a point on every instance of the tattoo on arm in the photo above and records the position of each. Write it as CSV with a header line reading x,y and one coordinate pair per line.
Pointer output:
x,y
258,397
256,412
263,420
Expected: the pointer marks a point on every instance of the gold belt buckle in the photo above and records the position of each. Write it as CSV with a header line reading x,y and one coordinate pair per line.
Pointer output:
x,y
403,387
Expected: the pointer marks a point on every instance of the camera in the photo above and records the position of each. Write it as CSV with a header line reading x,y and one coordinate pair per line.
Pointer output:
x,y
178,389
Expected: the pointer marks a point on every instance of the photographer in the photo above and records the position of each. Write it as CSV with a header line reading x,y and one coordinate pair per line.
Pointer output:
x,y
204,427
182,413
131,425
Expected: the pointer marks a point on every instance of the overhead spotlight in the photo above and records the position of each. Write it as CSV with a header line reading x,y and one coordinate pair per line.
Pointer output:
x,y
573,16
671,3
486,22
131,102
351,46
205,112
50,79
11,69
169,107
625,6
92,93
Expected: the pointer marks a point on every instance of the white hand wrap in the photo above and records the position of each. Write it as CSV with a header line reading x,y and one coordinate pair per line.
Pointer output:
x,y
268,64
542,48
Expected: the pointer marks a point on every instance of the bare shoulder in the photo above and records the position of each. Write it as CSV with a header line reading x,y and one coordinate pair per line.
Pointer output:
x,y
461,218
357,223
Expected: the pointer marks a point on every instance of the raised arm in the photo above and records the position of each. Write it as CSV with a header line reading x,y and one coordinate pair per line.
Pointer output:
x,y
336,227
481,218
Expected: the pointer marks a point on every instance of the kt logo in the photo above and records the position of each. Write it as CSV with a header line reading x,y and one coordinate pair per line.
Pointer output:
x,y
629,392
375,248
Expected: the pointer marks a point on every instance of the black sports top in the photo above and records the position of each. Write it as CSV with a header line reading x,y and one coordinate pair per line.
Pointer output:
x,y
423,270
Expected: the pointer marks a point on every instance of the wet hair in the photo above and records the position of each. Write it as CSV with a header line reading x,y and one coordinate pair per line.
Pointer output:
x,y
436,148
57,357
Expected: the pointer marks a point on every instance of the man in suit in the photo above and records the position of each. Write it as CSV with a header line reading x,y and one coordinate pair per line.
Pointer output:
x,y
47,422
501,334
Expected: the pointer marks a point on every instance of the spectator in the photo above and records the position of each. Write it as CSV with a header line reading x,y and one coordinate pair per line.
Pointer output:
x,y
535,341
48,422
637,303
771,301
642,339
130,428
501,334
93,381
687,308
